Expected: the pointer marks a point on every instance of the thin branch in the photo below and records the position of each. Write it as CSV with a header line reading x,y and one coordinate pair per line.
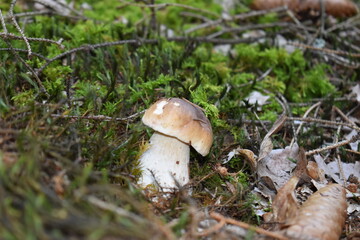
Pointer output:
x,y
15,23
3,22
337,145
13,36
304,116
236,17
255,26
327,122
98,117
212,229
25,51
164,5
219,217
139,42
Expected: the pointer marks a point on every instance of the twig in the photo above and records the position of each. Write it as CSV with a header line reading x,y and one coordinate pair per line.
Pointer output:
x,y
3,22
339,144
325,50
13,36
337,157
352,151
98,117
41,86
327,122
113,208
13,19
145,41
164,5
25,51
212,229
254,26
304,116
236,17
219,217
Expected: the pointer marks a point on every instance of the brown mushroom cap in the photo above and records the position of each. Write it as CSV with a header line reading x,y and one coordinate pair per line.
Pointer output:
x,y
181,119
336,8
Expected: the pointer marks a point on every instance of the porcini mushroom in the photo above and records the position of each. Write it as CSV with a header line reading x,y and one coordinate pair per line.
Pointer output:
x,y
177,124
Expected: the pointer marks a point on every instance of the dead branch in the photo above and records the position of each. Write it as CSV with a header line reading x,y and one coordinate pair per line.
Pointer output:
x,y
98,117
218,217
326,122
337,145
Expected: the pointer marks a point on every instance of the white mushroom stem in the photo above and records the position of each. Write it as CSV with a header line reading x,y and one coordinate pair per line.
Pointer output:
x,y
165,162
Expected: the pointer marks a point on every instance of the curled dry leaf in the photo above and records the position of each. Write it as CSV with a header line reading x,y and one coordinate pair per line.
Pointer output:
x,y
285,205
247,154
322,216
266,145
314,172
336,8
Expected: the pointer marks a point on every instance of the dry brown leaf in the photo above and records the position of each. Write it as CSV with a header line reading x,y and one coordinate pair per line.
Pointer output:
x,y
277,165
313,170
249,157
266,145
285,205
322,216
336,8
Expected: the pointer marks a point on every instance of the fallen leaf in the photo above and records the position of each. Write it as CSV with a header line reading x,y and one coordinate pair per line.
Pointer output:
x,y
285,205
356,91
249,156
256,97
332,169
266,145
322,216
353,145
277,165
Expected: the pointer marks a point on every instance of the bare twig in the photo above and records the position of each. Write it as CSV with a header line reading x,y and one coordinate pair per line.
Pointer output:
x,y
25,51
15,23
304,116
254,26
144,41
164,5
212,229
339,144
327,122
3,22
113,208
236,17
219,217
41,86
325,50
13,36
98,117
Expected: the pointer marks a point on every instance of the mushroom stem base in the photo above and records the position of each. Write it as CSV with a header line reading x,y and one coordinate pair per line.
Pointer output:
x,y
165,163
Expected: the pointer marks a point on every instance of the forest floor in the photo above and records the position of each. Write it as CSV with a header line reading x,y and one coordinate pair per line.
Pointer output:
x,y
279,86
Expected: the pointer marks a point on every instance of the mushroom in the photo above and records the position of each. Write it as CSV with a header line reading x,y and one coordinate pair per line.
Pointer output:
x,y
178,124
335,8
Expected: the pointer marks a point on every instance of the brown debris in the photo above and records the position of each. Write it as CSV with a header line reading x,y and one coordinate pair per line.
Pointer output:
x,y
322,216
336,8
